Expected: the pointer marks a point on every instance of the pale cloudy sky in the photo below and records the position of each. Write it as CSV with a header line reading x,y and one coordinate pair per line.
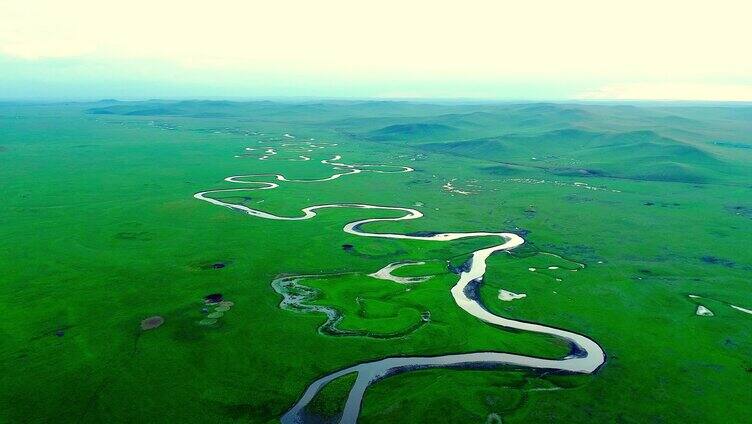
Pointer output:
x,y
471,49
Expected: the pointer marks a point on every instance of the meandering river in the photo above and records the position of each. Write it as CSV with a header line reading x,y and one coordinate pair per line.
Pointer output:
x,y
585,356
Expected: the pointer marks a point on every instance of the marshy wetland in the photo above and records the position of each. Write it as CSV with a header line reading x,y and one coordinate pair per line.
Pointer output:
x,y
375,262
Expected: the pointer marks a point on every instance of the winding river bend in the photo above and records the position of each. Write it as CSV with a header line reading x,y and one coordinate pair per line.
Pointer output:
x,y
585,357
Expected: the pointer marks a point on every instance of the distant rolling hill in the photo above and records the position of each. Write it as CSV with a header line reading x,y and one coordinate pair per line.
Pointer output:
x,y
657,142
192,108
420,131
642,155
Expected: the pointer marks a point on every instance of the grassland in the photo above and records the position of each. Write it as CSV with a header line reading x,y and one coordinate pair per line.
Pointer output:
x,y
100,230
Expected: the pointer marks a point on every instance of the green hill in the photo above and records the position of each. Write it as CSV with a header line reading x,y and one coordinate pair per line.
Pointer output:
x,y
642,155
403,132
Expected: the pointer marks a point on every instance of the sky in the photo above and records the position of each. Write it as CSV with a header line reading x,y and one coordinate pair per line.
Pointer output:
x,y
521,50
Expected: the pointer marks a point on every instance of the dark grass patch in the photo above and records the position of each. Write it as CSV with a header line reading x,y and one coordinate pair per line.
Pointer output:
x,y
583,253
662,204
718,261
472,290
458,269
522,232
578,172
740,210
576,198
512,227
503,170
61,331
530,211
422,181
134,235
213,265
243,200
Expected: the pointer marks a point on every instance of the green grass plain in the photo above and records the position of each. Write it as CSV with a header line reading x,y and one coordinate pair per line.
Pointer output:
x,y
100,230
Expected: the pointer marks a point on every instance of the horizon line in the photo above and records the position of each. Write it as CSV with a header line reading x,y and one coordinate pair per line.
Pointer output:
x,y
305,99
